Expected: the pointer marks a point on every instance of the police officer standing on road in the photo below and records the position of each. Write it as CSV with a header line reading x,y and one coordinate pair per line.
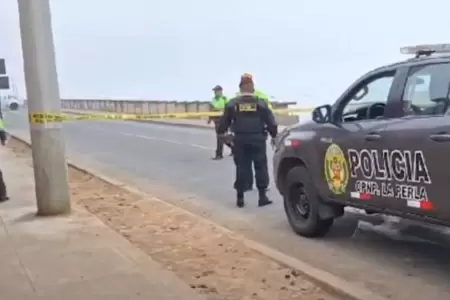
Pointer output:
x,y
250,119
258,93
3,138
218,104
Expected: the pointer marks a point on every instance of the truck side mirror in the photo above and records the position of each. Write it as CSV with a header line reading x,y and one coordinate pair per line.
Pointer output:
x,y
321,114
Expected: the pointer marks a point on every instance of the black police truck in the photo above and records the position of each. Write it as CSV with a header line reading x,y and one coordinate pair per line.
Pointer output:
x,y
383,146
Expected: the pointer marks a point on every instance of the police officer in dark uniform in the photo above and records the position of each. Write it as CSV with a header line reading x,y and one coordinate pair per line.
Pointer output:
x,y
250,119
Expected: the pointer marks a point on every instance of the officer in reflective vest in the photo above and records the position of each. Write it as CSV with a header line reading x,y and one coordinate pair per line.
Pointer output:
x,y
3,137
251,120
218,103
257,92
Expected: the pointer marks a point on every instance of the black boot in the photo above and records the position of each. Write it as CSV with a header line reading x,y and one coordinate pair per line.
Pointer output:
x,y
263,200
4,198
240,199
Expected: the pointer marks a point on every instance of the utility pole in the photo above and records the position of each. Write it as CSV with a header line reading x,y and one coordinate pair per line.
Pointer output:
x,y
47,141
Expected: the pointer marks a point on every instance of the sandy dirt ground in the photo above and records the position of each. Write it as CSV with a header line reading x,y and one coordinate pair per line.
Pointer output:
x,y
209,259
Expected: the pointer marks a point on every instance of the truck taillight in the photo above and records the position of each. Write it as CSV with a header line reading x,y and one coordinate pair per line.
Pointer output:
x,y
293,143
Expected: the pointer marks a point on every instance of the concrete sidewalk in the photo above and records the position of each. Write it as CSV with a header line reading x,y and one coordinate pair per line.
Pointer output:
x,y
73,257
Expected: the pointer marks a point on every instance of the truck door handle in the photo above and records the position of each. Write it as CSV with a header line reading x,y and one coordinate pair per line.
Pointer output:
x,y
373,136
440,137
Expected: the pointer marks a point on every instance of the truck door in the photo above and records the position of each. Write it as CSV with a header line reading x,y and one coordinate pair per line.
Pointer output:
x,y
347,150
418,145
418,171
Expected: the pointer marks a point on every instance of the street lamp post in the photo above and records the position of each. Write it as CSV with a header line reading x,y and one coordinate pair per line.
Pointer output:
x,y
47,143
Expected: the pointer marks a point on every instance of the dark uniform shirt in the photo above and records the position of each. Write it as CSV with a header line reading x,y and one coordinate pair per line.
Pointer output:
x,y
248,115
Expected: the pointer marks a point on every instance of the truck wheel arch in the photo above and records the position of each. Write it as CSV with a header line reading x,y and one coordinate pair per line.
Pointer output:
x,y
285,165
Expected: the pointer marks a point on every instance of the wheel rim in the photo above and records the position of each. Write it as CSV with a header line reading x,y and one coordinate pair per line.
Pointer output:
x,y
300,201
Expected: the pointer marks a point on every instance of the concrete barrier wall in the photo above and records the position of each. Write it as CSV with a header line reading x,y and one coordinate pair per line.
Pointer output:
x,y
157,107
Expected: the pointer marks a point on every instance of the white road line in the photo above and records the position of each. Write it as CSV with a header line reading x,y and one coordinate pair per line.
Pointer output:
x,y
146,137
154,138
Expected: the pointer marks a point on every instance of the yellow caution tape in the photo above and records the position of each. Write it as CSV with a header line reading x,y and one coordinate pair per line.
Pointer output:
x,y
42,118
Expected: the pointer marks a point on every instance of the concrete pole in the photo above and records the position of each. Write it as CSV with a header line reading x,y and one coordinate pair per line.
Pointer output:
x,y
48,149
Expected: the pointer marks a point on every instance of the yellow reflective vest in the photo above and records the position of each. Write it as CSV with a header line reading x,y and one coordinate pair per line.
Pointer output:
x,y
218,103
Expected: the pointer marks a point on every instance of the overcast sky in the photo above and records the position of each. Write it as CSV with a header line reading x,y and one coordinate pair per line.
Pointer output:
x,y
307,51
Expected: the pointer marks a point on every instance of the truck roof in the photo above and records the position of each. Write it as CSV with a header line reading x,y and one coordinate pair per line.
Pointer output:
x,y
417,61
424,54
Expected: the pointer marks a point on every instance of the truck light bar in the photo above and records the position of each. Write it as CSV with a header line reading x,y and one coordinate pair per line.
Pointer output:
x,y
425,49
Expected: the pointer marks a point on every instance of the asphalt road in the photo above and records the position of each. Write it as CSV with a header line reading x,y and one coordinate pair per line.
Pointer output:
x,y
174,163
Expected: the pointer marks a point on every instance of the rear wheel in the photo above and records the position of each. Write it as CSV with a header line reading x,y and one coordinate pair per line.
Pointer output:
x,y
302,204
14,106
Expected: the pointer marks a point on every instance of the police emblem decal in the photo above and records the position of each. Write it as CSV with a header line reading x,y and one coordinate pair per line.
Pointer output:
x,y
336,169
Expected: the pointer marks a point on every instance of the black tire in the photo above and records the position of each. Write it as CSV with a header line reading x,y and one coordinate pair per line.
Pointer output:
x,y
299,184
14,106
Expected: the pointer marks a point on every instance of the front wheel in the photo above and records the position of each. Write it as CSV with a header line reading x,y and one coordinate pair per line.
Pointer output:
x,y
302,204
14,106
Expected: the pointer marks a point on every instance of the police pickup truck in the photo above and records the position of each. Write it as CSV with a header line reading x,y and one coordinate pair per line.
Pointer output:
x,y
383,146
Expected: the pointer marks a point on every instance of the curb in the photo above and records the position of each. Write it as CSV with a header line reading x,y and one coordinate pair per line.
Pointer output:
x,y
326,280
154,122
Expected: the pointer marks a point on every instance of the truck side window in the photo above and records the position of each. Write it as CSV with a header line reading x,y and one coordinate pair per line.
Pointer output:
x,y
369,99
427,90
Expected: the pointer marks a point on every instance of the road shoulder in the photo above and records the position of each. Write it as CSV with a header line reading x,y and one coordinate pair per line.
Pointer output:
x,y
70,257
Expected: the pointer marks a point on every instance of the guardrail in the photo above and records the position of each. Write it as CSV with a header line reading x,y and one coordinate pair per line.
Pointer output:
x,y
157,107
